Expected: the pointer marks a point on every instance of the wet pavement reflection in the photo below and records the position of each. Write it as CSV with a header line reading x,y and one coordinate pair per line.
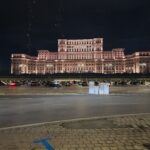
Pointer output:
x,y
27,109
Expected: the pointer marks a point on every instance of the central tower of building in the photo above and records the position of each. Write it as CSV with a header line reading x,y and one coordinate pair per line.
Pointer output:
x,y
79,48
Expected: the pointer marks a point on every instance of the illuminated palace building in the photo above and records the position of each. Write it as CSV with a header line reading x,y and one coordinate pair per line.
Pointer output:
x,y
81,56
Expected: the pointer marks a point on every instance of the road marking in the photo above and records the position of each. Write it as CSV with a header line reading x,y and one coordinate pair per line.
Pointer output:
x,y
45,143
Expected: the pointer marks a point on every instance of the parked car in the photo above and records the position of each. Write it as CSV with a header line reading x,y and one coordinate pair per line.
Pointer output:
x,y
134,83
52,84
14,83
68,83
34,83
84,83
2,83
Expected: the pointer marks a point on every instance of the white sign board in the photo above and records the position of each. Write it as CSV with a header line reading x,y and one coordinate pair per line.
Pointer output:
x,y
91,87
102,89
96,90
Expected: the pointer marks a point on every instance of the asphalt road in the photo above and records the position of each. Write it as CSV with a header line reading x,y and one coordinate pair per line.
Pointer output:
x,y
19,110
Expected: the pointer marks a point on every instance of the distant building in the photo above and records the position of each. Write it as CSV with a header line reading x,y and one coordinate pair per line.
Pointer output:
x,y
76,56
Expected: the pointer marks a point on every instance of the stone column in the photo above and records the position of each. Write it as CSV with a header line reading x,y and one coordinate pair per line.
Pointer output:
x,y
95,66
12,67
55,67
27,67
62,66
36,70
44,67
137,70
102,71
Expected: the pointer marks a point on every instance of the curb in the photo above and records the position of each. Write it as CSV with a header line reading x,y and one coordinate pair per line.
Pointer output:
x,y
55,94
71,120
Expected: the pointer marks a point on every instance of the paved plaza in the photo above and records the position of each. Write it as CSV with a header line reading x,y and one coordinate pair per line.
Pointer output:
x,y
127,132
122,120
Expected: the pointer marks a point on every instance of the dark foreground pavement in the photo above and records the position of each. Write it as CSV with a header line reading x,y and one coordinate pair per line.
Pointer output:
x,y
130,132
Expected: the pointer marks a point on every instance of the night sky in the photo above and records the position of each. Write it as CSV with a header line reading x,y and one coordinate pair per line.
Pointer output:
x,y
28,25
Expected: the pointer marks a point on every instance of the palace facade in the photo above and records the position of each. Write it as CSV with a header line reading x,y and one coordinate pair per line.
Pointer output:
x,y
81,56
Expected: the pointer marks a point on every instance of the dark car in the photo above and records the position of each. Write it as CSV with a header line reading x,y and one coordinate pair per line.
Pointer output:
x,y
68,83
53,84
84,83
34,83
